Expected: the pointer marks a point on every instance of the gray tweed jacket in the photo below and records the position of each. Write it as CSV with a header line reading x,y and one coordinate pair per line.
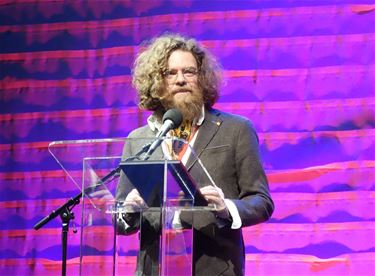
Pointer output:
x,y
228,147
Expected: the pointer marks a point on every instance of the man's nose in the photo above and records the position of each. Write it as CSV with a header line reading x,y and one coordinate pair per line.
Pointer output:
x,y
180,78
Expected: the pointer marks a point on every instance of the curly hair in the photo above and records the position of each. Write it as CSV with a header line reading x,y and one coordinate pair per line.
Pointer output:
x,y
151,64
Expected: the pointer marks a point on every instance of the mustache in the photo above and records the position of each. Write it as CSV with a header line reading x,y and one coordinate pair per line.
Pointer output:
x,y
181,89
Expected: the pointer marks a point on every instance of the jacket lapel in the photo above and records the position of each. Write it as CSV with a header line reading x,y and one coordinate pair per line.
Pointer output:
x,y
207,131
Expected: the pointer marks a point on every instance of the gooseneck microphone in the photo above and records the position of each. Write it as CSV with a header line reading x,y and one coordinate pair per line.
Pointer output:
x,y
172,119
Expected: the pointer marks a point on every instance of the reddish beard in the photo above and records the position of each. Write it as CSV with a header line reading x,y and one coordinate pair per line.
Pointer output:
x,y
189,105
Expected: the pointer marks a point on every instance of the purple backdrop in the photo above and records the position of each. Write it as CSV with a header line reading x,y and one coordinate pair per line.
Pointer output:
x,y
302,71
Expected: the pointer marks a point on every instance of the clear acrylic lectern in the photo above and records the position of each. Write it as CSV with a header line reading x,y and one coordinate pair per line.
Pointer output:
x,y
99,169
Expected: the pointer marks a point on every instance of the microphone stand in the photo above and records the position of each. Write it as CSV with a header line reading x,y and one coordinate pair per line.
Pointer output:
x,y
65,210
66,215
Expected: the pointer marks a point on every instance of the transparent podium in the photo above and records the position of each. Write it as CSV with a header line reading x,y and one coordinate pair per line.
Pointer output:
x,y
114,227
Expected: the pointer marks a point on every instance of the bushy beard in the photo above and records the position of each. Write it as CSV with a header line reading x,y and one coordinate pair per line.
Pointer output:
x,y
190,105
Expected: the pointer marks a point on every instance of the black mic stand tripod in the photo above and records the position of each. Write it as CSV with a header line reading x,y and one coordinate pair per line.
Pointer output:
x,y
66,215
65,210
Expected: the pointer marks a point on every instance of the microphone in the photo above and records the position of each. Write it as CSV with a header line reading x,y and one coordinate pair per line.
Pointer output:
x,y
172,119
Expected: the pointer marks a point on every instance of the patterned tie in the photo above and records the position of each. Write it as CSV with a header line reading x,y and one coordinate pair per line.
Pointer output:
x,y
183,132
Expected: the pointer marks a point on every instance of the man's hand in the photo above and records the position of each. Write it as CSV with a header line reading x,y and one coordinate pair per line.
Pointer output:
x,y
214,195
135,201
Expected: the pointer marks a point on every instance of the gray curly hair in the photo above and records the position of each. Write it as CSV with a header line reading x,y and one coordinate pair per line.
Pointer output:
x,y
151,63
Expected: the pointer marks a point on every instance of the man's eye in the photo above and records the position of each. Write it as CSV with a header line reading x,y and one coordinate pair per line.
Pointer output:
x,y
190,71
171,73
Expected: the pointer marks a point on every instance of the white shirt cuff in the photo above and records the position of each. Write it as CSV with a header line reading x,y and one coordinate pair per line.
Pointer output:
x,y
237,223
122,220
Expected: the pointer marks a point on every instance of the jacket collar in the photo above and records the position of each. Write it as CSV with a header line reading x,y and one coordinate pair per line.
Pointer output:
x,y
206,133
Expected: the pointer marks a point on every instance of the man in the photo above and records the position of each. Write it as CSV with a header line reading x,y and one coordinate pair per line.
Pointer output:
x,y
176,72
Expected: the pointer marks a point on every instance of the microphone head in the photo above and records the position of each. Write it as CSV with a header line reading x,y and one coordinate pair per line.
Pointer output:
x,y
173,115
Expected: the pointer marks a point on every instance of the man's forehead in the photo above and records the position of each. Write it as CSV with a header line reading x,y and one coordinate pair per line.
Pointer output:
x,y
181,59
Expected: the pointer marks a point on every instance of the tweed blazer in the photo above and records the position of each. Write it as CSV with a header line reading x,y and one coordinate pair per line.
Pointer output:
x,y
228,147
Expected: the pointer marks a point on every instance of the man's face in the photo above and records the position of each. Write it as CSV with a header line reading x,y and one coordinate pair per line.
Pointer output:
x,y
181,85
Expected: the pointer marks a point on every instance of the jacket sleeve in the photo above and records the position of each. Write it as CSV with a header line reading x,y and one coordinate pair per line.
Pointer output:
x,y
126,223
254,203
129,222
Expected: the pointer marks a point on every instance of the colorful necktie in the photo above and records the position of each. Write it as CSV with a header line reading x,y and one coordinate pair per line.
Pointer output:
x,y
185,132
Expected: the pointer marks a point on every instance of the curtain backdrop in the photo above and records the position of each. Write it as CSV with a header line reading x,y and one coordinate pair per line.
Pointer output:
x,y
302,71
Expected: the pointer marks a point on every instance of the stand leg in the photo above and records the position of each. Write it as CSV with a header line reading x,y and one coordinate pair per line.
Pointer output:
x,y
66,216
64,211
